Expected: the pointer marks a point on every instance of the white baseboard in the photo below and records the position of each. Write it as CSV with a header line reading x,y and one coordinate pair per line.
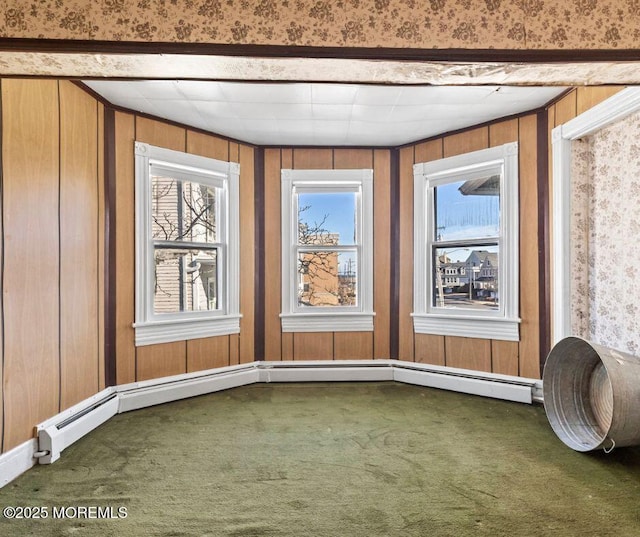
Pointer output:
x,y
17,461
474,386
323,371
60,431
183,386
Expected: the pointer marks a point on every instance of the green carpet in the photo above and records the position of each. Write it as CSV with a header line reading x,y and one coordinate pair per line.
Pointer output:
x,y
357,459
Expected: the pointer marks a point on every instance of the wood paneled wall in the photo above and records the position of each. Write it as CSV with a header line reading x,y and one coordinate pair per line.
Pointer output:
x,y
327,345
153,361
511,358
52,252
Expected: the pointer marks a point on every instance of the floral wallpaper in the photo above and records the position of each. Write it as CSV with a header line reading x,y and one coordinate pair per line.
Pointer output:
x,y
579,244
513,24
606,235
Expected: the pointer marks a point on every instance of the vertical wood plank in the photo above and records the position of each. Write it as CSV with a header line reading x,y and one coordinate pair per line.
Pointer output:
x,y
405,322
504,357
161,360
247,254
234,349
353,346
2,359
529,354
381,253
313,159
430,349
234,339
566,108
101,250
465,142
468,353
207,146
588,96
287,346
234,152
499,134
79,245
30,156
160,134
428,151
551,119
352,159
272,262
207,353
125,252
504,132
286,337
313,346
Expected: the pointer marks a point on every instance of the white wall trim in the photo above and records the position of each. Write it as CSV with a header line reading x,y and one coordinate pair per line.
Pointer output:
x,y
617,107
471,326
62,430
338,322
17,461
178,330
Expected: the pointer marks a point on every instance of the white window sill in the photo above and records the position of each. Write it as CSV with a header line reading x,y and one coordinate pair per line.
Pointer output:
x,y
151,333
467,326
327,322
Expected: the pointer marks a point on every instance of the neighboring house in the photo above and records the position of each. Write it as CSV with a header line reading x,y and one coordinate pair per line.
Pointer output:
x,y
319,281
481,267
487,279
186,279
453,273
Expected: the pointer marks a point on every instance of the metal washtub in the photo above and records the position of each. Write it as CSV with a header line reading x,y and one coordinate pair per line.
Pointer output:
x,y
592,395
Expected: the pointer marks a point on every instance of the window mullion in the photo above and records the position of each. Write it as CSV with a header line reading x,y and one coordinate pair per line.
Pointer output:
x,y
466,242
186,245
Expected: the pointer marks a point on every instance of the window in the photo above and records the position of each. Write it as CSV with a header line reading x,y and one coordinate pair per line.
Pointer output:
x,y
186,246
327,250
466,223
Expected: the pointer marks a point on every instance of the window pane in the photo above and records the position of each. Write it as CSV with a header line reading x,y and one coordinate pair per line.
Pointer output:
x,y
185,280
327,278
182,210
327,218
466,278
468,209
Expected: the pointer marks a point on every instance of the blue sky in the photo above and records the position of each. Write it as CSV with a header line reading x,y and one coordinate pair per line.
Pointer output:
x,y
459,216
465,217
339,208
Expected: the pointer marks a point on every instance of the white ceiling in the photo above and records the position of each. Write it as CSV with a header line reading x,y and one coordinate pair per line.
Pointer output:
x,y
322,113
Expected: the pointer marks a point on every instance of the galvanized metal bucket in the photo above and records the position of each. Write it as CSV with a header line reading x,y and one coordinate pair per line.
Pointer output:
x,y
592,395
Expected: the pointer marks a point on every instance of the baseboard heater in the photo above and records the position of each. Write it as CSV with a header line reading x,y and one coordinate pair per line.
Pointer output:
x,y
506,387
59,432
149,393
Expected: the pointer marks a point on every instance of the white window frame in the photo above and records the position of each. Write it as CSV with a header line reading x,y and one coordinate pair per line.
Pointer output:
x,y
429,319
327,319
151,327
